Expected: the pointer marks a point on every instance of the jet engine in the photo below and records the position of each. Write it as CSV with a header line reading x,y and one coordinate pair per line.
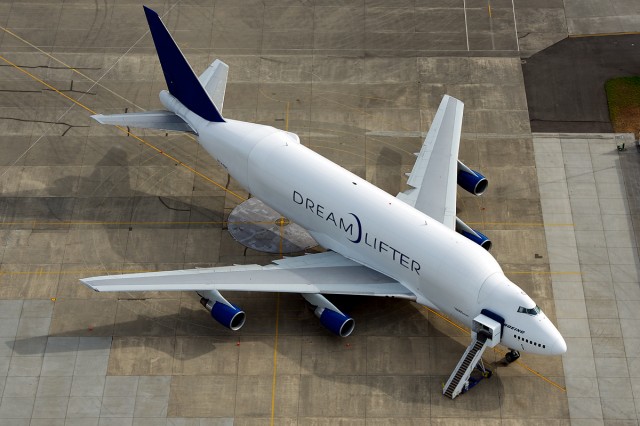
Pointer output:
x,y
472,234
222,311
470,180
330,316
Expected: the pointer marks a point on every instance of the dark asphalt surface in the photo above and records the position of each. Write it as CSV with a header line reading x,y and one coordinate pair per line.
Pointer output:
x,y
565,82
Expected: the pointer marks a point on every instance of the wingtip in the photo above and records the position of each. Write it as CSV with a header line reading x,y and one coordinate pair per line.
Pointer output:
x,y
447,98
219,63
87,282
98,118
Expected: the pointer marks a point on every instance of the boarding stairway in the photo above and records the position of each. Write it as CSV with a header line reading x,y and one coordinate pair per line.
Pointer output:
x,y
486,332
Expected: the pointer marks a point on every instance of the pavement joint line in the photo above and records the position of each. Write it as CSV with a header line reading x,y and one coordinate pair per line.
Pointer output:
x,y
137,106
27,42
95,82
418,134
356,108
123,129
82,95
496,350
281,396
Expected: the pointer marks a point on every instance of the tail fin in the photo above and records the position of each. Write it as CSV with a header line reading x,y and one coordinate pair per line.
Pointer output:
x,y
182,82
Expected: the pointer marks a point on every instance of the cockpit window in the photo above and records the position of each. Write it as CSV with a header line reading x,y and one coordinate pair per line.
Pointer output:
x,y
533,311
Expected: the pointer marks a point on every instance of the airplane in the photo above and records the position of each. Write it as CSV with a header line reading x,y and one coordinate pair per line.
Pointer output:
x,y
411,246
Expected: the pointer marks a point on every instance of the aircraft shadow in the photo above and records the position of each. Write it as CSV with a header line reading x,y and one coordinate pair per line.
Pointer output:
x,y
388,174
393,339
107,198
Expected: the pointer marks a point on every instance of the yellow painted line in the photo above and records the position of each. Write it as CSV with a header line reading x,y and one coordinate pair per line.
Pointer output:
x,y
123,129
534,372
73,272
286,119
8,31
35,223
489,8
159,151
95,82
544,272
603,34
275,362
439,315
496,350
281,222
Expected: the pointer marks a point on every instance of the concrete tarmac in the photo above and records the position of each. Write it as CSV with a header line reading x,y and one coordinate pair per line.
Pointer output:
x,y
589,200
360,84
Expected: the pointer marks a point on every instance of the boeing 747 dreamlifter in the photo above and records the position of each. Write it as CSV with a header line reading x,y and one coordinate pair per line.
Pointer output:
x,y
411,246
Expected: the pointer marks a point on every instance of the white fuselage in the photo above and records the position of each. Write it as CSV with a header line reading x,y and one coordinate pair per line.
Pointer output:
x,y
347,214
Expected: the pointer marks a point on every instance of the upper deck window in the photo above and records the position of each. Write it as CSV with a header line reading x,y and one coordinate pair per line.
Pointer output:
x,y
533,311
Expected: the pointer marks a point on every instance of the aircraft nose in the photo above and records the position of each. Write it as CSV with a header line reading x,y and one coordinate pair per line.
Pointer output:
x,y
559,346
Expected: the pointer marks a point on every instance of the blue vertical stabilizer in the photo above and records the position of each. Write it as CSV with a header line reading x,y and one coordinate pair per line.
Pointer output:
x,y
182,82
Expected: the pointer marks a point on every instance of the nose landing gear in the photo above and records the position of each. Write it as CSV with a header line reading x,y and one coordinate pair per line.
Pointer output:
x,y
511,356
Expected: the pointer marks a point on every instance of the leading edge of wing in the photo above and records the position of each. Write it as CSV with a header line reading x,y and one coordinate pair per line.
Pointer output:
x,y
347,279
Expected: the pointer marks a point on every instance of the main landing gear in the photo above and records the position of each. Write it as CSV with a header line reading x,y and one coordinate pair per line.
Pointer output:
x,y
511,356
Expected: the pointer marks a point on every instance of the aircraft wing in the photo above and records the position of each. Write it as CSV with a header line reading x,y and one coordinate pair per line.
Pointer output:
x,y
433,179
328,273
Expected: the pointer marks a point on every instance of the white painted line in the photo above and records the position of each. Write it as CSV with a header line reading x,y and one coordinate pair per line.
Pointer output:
x,y
466,28
515,24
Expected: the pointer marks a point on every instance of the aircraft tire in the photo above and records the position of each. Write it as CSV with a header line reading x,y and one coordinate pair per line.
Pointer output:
x,y
511,356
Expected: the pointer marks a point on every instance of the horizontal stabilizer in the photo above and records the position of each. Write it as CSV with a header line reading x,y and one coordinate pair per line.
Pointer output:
x,y
160,120
214,81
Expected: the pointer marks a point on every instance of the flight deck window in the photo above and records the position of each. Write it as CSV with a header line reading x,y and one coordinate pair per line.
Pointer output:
x,y
532,311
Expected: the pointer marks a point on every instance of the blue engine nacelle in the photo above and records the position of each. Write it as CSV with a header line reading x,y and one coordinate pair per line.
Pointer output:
x,y
474,183
480,239
336,322
231,317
